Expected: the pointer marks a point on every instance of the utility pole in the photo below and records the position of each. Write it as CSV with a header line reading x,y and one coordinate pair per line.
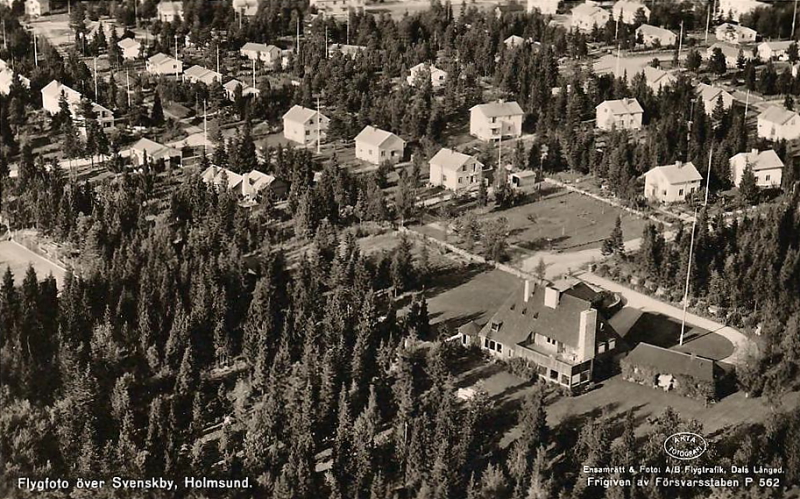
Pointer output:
x,y
95,78
746,104
619,53
217,43
794,19
319,119
326,43
680,45
348,24
35,51
5,38
128,85
297,37
708,22
254,73
176,57
205,129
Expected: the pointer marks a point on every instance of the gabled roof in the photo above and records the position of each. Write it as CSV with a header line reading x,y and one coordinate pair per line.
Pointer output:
x,y
375,136
587,9
203,74
498,109
729,50
173,6
450,160
734,27
654,31
777,115
153,149
776,46
672,362
7,76
424,65
627,5
679,173
160,59
231,85
215,174
55,89
258,47
258,180
623,106
764,160
710,93
299,114
654,75
514,40
128,43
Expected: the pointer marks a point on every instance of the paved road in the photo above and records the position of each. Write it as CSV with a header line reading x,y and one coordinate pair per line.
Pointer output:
x,y
641,302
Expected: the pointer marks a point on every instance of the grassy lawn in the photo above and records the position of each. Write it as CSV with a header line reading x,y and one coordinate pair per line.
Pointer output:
x,y
18,258
565,221
665,332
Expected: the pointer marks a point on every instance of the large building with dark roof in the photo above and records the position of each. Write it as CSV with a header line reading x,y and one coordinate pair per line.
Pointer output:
x,y
557,328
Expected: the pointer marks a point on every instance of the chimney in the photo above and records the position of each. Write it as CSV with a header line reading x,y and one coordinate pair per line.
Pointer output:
x,y
501,101
754,151
678,163
527,293
586,335
551,297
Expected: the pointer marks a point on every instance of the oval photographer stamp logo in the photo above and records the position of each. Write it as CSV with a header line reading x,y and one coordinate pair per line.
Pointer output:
x,y
685,445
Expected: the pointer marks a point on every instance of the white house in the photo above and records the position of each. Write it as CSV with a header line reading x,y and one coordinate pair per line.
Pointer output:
x,y
513,41
337,8
735,9
731,53
495,120
218,177
588,15
247,8
162,64
345,49
547,7
51,99
774,50
200,74
655,36
35,8
776,123
623,113
438,76
658,78
230,90
735,33
130,48
710,95
671,183
376,146
169,11
268,54
153,151
455,171
626,11
766,165
7,76
301,125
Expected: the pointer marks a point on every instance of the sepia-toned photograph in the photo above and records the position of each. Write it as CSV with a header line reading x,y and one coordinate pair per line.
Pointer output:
x,y
399,249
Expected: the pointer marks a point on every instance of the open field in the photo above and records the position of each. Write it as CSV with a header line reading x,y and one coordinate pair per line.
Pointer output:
x,y
18,258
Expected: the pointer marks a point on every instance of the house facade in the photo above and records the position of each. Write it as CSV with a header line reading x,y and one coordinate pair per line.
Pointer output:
x,y
455,171
496,120
7,76
734,33
587,16
153,151
130,48
672,183
162,64
199,74
169,11
51,98
268,54
658,78
247,8
513,41
626,11
621,114
777,123
731,53
230,90
438,76
735,9
774,50
654,36
337,8
554,328
376,146
547,7
36,8
303,126
711,95
766,165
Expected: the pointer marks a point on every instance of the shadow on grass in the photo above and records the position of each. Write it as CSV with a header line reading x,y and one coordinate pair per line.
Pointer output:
x,y
542,243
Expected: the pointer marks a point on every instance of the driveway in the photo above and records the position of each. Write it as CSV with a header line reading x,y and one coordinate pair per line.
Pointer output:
x,y
636,301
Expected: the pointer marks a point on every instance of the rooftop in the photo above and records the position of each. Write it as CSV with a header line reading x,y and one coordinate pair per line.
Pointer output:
x,y
764,160
498,109
623,106
375,136
678,173
449,159
672,362
777,115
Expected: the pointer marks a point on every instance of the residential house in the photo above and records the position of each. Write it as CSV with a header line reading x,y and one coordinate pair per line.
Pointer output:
x,y
7,76
766,165
495,120
169,11
671,183
711,95
455,171
623,113
735,33
230,90
146,149
776,123
343,49
130,48
547,7
558,329
658,78
522,179
626,11
36,8
255,184
337,8
162,64
653,36
218,177
248,8
438,76
735,9
268,54
304,126
200,74
376,146
686,374
731,53
774,50
587,16
513,41
51,102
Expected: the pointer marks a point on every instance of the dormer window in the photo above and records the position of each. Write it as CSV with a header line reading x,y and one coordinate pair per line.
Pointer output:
x,y
496,326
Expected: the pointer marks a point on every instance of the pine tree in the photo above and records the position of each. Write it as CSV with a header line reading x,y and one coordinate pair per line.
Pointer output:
x,y
157,113
748,189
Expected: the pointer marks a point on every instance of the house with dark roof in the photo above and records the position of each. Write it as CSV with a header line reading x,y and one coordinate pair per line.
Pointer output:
x,y
558,329
689,375
671,183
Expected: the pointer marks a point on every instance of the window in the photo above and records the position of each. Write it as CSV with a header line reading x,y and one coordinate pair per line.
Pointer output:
x,y
460,180
611,344
680,192
444,178
756,178
550,341
485,343
492,345
601,348
664,192
564,379
767,178
499,348
553,374
308,132
495,327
